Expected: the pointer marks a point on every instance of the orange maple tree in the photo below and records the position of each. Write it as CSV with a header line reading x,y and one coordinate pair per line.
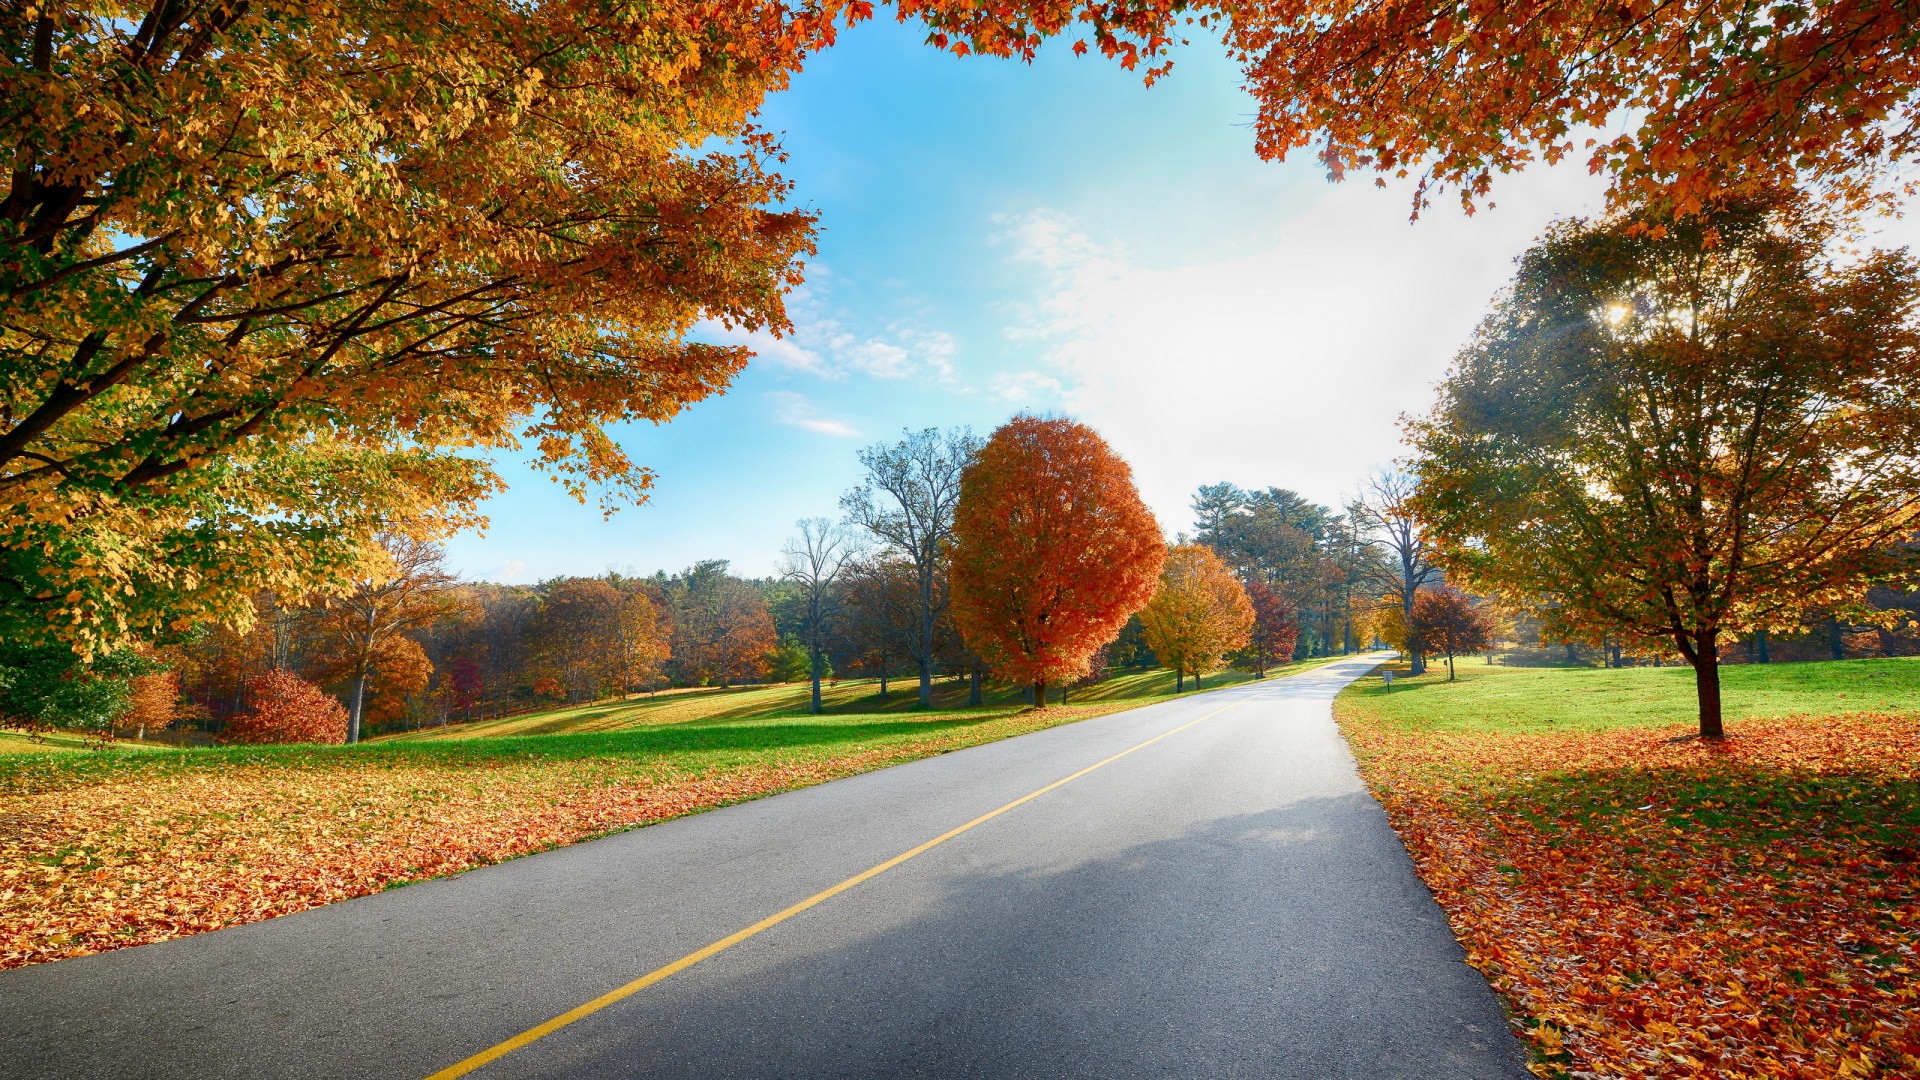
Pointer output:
x,y
1198,614
1053,550
287,709
1722,95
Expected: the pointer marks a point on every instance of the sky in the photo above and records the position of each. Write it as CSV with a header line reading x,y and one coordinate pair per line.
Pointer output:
x,y
1056,238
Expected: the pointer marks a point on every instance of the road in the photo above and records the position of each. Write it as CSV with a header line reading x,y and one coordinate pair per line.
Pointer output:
x,y
1224,901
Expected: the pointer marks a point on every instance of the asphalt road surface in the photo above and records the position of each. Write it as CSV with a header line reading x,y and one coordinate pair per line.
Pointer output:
x,y
1227,901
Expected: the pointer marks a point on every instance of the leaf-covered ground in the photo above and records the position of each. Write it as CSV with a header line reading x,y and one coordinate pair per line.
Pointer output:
x,y
101,849
1650,905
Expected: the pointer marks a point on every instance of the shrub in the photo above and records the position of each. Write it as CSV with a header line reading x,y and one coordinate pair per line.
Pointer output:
x,y
288,709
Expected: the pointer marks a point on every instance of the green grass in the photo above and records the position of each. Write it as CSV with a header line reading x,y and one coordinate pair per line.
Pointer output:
x,y
697,731
858,697
13,742
1511,699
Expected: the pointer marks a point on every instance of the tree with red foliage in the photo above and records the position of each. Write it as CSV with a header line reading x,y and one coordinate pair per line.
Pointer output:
x,y
288,709
1447,621
1053,550
1275,631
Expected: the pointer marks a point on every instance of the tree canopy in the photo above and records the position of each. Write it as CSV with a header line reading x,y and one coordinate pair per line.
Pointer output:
x,y
1676,438
268,268
1682,101
1198,614
1053,550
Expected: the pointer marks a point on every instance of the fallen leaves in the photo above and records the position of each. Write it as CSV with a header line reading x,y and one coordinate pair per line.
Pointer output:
x,y
1653,905
91,863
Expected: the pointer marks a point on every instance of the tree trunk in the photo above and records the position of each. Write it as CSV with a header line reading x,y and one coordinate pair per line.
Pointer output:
x,y
1761,640
1449,667
1179,680
1065,689
883,684
1039,693
359,695
1196,681
816,680
1706,682
974,696
1834,639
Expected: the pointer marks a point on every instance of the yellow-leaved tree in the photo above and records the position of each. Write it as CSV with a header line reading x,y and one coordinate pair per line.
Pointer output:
x,y
1199,614
268,269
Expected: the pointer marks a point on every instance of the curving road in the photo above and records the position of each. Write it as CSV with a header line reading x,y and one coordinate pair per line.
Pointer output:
x,y
1224,901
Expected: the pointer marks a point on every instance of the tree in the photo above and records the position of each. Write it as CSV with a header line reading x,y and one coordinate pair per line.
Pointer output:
x,y
594,639
880,616
1721,96
266,268
1446,620
1386,514
288,709
1680,438
722,630
44,687
414,592
1271,640
1198,614
907,501
1053,550
815,562
153,701
1295,546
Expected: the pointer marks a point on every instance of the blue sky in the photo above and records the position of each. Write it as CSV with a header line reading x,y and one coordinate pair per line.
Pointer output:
x,y
1055,237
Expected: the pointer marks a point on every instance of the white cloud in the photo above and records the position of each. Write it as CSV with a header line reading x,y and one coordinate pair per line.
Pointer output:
x,y
821,345
781,352
1288,366
1026,387
509,571
795,410
878,358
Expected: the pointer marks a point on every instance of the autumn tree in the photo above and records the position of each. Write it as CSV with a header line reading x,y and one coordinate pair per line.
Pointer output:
x,y
1387,515
153,701
907,502
722,630
1447,621
1198,614
815,561
288,709
1053,550
1271,639
1723,97
266,268
595,639
1675,439
413,591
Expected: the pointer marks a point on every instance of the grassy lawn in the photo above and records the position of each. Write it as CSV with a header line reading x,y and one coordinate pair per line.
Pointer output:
x,y
1652,905
851,697
122,846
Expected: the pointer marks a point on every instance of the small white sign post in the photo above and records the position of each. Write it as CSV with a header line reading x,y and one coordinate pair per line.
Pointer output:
x,y
1387,677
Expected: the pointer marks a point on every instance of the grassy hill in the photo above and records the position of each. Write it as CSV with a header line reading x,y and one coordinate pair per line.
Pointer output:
x,y
850,697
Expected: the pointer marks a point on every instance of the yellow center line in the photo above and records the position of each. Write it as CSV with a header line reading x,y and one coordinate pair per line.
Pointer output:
x,y
580,1012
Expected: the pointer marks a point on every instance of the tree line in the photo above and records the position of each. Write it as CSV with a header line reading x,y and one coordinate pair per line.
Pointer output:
x,y
1026,559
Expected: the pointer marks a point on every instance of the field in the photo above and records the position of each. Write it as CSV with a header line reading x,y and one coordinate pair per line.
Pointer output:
x,y
106,848
1652,905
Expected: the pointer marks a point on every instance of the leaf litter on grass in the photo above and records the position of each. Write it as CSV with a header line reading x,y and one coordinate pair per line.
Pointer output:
x,y
1654,905
132,851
